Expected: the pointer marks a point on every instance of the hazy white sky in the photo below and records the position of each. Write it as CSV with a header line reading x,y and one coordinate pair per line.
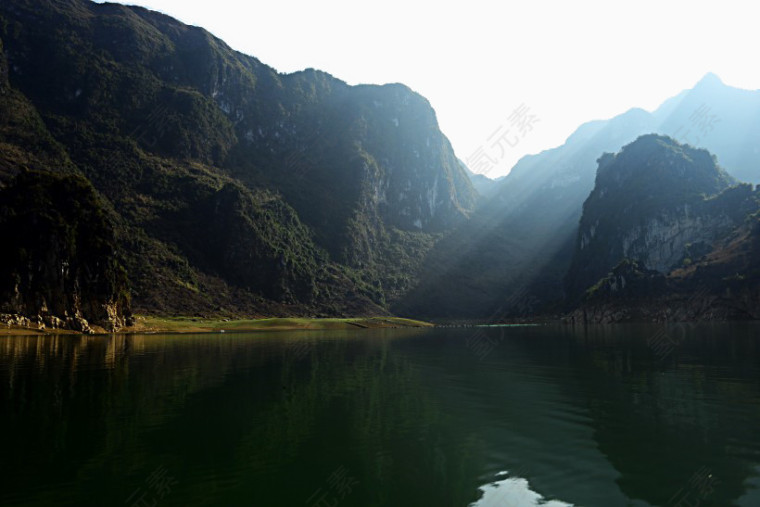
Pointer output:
x,y
566,62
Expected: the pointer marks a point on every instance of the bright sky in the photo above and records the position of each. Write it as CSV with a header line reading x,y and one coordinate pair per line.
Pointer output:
x,y
567,62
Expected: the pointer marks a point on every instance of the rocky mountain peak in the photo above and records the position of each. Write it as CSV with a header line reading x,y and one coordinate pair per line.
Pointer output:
x,y
651,202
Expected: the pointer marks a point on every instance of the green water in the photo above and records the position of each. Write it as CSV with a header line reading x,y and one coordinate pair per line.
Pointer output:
x,y
500,416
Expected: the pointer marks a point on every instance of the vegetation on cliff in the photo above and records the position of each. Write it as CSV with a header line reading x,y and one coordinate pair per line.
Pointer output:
x,y
60,260
666,235
234,189
650,200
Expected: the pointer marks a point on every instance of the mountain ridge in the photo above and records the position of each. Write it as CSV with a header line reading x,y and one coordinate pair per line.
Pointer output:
x,y
531,219
659,237
324,197
234,189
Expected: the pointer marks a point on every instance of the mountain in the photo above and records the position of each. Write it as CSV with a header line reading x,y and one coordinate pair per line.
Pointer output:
x,y
664,228
484,185
232,188
706,116
519,244
511,257
65,263
212,184
720,118
652,201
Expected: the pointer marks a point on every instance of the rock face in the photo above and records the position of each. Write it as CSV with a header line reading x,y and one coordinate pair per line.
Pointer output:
x,y
651,204
723,285
61,266
657,243
3,70
233,186
532,219
627,285
662,242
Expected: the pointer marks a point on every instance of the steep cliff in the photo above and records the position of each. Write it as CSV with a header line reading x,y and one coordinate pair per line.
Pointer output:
x,y
656,242
60,264
651,201
523,238
723,285
237,188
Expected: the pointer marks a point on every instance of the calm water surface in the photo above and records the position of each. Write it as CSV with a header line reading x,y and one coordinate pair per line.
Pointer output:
x,y
549,415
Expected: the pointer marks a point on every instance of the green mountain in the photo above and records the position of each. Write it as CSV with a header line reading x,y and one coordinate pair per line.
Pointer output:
x,y
145,166
63,260
232,188
650,201
664,225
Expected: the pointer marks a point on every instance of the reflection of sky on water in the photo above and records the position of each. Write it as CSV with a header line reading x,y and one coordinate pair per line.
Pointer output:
x,y
512,491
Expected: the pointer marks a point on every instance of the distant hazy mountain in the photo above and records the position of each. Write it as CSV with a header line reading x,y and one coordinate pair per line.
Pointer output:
x,y
521,240
232,187
719,118
484,185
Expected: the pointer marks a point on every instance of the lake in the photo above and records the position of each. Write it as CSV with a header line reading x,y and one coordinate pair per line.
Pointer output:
x,y
543,415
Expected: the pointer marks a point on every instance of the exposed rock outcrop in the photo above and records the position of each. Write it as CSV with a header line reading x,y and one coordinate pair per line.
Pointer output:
x,y
3,70
652,201
61,267
689,246
160,116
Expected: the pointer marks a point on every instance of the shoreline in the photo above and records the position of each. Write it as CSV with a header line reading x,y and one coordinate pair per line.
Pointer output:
x,y
192,325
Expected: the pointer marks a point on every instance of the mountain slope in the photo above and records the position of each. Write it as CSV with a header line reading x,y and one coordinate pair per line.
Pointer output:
x,y
64,262
236,188
522,239
484,185
722,285
665,234
651,203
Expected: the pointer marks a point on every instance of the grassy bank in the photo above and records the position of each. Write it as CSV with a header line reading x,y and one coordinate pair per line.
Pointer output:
x,y
191,325
147,324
